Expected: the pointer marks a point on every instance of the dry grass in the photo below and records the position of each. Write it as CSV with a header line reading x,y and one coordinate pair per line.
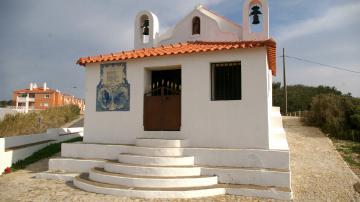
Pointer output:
x,y
350,151
37,122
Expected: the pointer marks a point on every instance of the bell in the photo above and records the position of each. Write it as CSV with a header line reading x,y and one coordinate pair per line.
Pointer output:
x,y
255,13
146,31
255,20
145,27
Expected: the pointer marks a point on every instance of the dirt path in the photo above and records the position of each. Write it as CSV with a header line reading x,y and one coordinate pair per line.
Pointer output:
x,y
318,174
318,171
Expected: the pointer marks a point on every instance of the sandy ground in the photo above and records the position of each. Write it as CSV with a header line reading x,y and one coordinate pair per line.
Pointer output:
x,y
318,174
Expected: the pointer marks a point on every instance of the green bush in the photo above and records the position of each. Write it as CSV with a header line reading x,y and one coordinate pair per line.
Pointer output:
x,y
37,122
337,115
355,117
299,96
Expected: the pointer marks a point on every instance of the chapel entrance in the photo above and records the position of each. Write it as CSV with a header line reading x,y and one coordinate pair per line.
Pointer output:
x,y
162,103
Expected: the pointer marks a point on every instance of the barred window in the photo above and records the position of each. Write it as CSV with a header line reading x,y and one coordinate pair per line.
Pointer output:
x,y
226,81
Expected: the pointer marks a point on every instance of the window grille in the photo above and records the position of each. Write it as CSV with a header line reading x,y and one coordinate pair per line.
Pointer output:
x,y
226,81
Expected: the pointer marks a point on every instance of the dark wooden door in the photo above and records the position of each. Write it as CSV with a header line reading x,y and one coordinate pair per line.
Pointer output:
x,y
162,109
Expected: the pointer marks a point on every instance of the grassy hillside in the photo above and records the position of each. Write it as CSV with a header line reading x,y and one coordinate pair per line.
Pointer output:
x,y
37,122
335,113
299,96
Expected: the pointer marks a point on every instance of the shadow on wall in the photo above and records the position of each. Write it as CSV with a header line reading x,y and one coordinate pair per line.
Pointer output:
x,y
14,149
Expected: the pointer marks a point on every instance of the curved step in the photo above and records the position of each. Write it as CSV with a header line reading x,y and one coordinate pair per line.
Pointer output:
x,y
156,160
83,182
160,151
154,142
142,170
100,175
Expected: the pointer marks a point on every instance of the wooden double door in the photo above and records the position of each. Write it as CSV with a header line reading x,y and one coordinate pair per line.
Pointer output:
x,y
162,106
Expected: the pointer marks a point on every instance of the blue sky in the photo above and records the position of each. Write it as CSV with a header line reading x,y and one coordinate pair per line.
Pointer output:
x,y
41,39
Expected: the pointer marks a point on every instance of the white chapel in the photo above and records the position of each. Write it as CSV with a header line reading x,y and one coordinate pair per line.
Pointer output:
x,y
186,113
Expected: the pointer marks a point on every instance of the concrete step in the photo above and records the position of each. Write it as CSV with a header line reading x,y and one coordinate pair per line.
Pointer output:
x,y
74,165
276,122
56,175
276,109
100,175
254,176
83,182
151,151
232,157
153,142
168,135
146,170
228,175
156,160
284,194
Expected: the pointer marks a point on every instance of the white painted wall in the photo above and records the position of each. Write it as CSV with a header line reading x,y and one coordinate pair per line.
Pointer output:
x,y
51,134
248,33
7,158
26,139
205,123
212,28
153,30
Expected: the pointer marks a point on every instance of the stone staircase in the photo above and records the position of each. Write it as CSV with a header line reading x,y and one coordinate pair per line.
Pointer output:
x,y
156,168
166,166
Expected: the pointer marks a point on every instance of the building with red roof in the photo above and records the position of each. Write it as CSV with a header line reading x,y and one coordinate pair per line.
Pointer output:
x,y
40,98
186,113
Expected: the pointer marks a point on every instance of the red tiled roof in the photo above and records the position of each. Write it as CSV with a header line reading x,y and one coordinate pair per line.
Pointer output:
x,y
184,48
35,90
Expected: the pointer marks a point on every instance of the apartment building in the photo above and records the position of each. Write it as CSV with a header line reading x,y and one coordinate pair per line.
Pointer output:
x,y
40,98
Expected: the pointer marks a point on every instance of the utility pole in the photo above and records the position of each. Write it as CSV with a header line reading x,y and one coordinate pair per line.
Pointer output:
x,y
285,87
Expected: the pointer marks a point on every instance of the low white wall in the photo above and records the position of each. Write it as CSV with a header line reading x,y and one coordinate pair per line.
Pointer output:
x,y
27,139
254,158
3,158
51,134
7,158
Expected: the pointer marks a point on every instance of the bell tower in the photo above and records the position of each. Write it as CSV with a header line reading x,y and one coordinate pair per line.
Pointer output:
x,y
146,30
255,20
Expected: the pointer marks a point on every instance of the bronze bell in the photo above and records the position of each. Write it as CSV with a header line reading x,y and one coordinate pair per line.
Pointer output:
x,y
145,27
255,13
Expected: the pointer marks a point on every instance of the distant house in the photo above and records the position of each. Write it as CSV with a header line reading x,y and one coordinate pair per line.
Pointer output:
x,y
40,98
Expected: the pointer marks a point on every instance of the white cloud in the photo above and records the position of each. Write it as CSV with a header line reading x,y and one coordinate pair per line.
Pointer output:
x,y
331,38
333,19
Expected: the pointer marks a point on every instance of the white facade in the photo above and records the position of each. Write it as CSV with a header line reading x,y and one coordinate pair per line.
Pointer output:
x,y
225,124
241,123
232,146
212,27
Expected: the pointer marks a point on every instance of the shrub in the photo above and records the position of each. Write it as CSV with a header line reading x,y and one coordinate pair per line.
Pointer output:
x,y
299,96
337,115
355,118
37,122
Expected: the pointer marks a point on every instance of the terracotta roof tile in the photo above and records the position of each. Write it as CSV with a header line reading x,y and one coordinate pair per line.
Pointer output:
x,y
35,90
184,48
